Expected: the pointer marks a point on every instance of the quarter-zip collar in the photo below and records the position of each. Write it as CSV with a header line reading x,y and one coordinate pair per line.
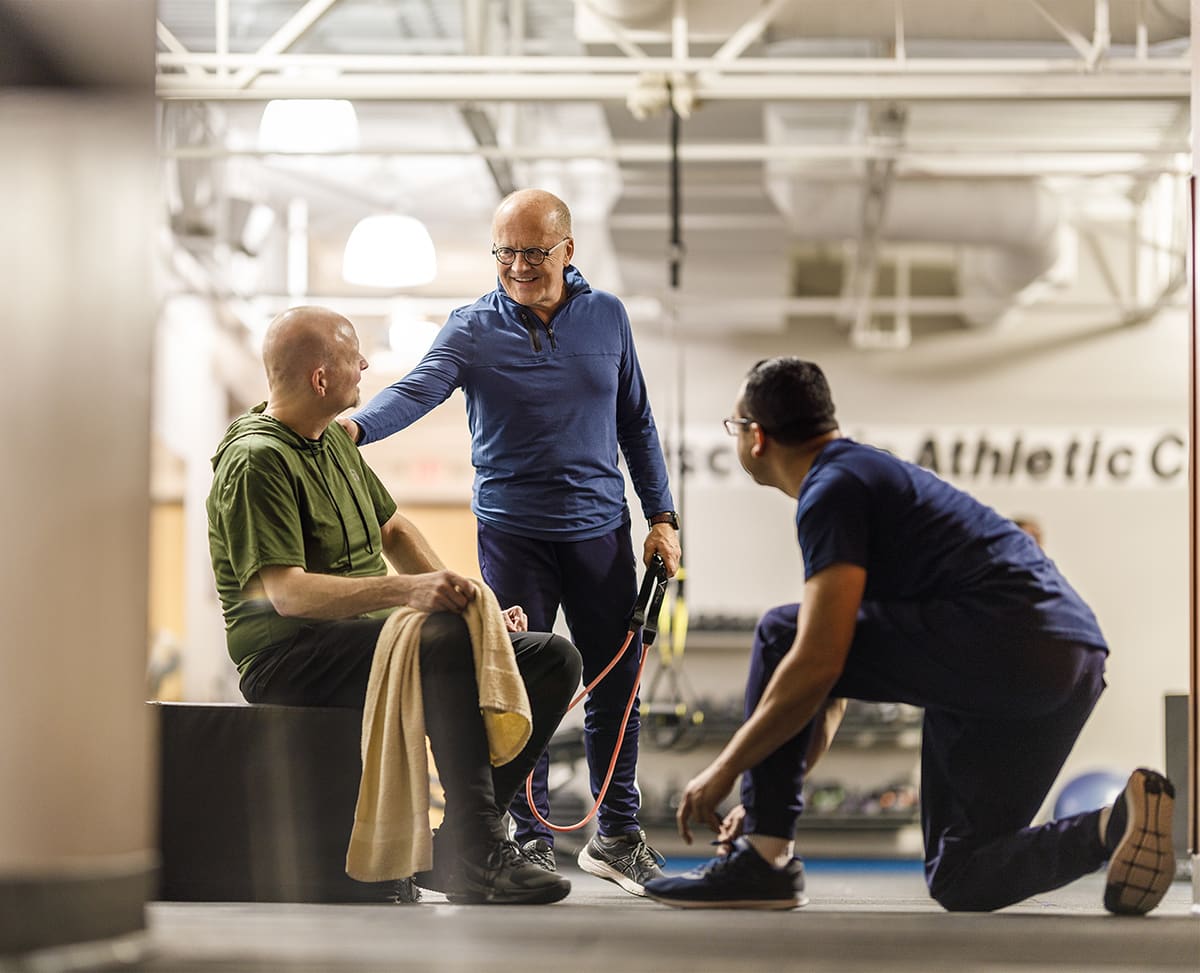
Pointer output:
x,y
574,284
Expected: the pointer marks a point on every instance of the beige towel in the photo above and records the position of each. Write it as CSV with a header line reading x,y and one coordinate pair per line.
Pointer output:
x,y
391,837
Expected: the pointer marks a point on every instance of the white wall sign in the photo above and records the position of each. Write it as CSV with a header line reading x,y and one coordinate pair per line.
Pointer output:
x,y
974,456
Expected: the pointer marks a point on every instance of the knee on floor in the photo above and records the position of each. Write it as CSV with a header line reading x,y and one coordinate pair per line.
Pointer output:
x,y
958,893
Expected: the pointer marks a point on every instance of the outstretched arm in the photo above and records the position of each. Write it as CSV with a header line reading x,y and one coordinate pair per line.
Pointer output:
x,y
427,386
795,695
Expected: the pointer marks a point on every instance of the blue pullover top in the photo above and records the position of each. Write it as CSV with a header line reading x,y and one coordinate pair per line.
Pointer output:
x,y
549,407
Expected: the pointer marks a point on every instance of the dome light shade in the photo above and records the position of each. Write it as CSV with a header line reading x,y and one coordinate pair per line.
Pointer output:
x,y
389,251
308,125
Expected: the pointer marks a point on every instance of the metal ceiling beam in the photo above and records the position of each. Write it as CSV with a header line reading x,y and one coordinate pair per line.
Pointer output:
x,y
911,84
404,64
1001,158
296,27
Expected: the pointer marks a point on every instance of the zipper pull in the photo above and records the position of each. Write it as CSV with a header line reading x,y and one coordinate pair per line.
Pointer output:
x,y
534,341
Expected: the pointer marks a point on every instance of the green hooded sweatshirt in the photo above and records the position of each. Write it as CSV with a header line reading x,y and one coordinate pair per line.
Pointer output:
x,y
280,499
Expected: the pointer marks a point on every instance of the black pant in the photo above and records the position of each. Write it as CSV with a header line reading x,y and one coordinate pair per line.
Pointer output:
x,y
329,663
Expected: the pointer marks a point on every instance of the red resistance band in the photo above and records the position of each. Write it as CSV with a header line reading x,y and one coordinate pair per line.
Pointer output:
x,y
616,749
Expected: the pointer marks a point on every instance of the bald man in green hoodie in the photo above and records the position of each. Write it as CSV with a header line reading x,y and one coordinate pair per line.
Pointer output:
x,y
299,530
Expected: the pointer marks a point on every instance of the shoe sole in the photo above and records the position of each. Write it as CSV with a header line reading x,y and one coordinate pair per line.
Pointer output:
x,y
775,905
601,869
1142,866
542,896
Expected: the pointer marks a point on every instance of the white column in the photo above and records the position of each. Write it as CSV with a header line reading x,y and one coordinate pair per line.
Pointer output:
x,y
1190,789
77,178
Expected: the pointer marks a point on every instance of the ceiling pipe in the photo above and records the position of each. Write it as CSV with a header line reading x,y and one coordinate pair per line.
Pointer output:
x,y
965,20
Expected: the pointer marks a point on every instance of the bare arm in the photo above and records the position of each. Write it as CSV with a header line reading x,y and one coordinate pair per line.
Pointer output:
x,y
825,729
406,548
795,695
294,592
422,582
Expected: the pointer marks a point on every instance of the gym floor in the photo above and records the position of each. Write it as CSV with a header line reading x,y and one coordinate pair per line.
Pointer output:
x,y
860,918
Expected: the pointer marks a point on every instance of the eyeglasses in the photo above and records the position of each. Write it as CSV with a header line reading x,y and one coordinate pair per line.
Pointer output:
x,y
734,425
533,255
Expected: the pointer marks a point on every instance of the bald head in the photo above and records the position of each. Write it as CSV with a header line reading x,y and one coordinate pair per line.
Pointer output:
x,y
536,207
299,341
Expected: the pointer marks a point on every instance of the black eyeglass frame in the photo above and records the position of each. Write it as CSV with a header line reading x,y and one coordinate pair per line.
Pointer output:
x,y
735,424
529,253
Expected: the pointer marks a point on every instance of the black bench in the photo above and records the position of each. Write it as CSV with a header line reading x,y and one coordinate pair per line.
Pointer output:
x,y
257,804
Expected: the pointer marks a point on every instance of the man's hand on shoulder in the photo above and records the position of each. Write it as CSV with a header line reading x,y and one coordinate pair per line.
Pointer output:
x,y
352,429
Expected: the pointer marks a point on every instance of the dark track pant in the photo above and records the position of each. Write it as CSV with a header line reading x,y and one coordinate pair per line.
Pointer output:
x,y
595,582
328,664
999,723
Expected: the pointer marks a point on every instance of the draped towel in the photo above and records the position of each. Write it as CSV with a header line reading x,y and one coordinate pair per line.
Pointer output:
x,y
391,838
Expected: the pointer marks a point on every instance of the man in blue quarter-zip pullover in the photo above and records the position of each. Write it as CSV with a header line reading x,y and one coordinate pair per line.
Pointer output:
x,y
554,395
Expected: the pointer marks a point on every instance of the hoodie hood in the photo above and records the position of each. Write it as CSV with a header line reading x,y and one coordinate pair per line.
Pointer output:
x,y
257,423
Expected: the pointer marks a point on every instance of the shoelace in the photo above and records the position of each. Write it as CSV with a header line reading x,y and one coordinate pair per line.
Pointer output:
x,y
505,853
732,863
646,856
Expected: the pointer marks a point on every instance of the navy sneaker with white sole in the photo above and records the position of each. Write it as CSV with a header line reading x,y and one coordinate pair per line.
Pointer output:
x,y
743,879
1141,865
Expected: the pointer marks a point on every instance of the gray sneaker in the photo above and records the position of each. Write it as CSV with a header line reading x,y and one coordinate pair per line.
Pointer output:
x,y
625,859
541,853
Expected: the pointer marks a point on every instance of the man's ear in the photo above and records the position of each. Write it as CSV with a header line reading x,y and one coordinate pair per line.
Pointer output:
x,y
760,440
317,380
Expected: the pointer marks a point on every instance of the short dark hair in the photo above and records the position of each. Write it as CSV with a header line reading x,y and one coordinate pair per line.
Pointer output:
x,y
789,398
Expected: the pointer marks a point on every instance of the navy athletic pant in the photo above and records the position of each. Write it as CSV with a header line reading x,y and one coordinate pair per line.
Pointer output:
x,y
595,582
1000,720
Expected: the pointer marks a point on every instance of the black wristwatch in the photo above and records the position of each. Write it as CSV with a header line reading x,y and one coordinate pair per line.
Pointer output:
x,y
666,517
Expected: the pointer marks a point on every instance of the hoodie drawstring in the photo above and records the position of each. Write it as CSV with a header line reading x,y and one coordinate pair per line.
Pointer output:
x,y
354,499
315,449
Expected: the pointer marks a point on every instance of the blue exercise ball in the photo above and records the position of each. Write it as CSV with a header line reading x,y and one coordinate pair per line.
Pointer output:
x,y
1088,792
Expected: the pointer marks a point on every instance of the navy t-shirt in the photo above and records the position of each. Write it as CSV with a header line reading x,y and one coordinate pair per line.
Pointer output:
x,y
921,540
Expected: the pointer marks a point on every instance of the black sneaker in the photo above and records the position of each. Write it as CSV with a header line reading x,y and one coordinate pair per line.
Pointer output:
x,y
743,879
1141,862
541,853
505,878
625,859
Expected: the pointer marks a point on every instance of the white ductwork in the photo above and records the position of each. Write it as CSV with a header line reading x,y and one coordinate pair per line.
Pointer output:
x,y
1008,233
931,20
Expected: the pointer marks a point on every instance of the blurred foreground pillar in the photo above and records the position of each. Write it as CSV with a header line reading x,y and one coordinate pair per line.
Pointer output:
x,y
78,200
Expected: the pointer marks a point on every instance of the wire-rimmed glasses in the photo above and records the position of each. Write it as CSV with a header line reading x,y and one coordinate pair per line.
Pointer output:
x,y
533,255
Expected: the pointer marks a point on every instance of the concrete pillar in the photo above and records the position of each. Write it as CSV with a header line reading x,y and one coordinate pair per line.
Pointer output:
x,y
78,194
1189,790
